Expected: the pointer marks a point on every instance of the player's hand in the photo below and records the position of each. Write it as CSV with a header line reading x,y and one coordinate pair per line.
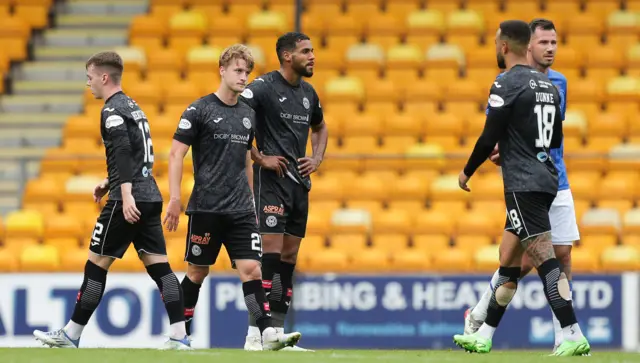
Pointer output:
x,y
172,218
100,190
462,181
129,209
308,166
495,156
275,163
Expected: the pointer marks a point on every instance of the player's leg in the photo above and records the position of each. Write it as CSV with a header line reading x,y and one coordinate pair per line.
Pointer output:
x,y
501,294
150,244
244,246
564,231
110,239
201,251
272,208
539,248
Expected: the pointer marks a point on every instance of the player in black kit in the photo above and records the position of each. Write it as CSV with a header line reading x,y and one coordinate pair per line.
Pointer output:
x,y
221,209
525,119
132,213
286,108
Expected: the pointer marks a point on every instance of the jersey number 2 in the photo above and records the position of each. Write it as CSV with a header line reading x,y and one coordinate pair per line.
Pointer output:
x,y
546,116
146,140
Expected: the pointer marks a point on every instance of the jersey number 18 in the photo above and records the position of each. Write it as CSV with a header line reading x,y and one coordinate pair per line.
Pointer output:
x,y
146,140
546,116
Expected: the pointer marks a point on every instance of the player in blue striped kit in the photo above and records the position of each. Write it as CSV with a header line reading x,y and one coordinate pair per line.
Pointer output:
x,y
564,232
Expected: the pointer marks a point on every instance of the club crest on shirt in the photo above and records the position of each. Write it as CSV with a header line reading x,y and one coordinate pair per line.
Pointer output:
x,y
247,93
246,122
305,103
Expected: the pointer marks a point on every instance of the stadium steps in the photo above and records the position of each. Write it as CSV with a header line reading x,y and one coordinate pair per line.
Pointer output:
x,y
50,88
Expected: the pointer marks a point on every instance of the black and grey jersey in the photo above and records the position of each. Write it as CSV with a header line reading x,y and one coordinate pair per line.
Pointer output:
x,y
129,150
284,115
525,118
220,136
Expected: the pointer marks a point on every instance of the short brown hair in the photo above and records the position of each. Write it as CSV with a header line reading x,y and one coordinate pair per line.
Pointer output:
x,y
109,60
236,51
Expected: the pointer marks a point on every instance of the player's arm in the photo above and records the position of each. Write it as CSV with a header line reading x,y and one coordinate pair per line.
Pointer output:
x,y
183,138
248,166
319,137
494,129
116,132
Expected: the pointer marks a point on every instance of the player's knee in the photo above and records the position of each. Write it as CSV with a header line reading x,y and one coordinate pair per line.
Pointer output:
x,y
197,274
249,270
104,262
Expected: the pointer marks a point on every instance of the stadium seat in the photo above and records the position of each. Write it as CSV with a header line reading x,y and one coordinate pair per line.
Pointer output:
x,y
370,260
329,260
584,259
596,243
486,258
60,225
39,258
453,260
620,258
8,261
24,224
600,221
350,221
73,259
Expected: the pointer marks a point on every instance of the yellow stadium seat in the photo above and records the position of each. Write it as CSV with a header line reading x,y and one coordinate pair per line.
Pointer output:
x,y
411,260
146,26
43,190
425,156
472,242
584,260
624,186
487,187
130,262
204,58
600,221
359,145
62,243
401,9
165,59
24,224
390,243
9,262
145,92
344,25
329,260
181,93
621,205
467,22
369,188
381,91
62,226
601,8
37,16
583,184
344,89
431,242
318,223
351,220
624,157
623,88
596,243
187,24
620,258
421,96
371,208
365,55
584,24
370,260
453,260
486,258
446,188
409,187
363,124
622,29
326,188
80,188
404,56
267,23
397,144
471,223
433,223
40,258
425,23
609,124
631,222
392,222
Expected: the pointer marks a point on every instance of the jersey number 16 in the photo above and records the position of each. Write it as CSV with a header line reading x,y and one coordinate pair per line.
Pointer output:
x,y
546,116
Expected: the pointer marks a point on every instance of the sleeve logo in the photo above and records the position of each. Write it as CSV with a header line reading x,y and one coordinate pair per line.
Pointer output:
x,y
184,124
113,121
495,101
247,93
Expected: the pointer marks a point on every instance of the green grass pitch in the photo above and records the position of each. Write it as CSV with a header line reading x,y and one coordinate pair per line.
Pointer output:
x,y
47,355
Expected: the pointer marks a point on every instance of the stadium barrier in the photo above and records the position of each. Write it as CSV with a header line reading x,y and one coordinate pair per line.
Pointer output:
x,y
332,311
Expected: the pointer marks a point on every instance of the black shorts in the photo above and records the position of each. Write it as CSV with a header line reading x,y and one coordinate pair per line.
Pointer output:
x,y
208,232
112,234
282,204
528,213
